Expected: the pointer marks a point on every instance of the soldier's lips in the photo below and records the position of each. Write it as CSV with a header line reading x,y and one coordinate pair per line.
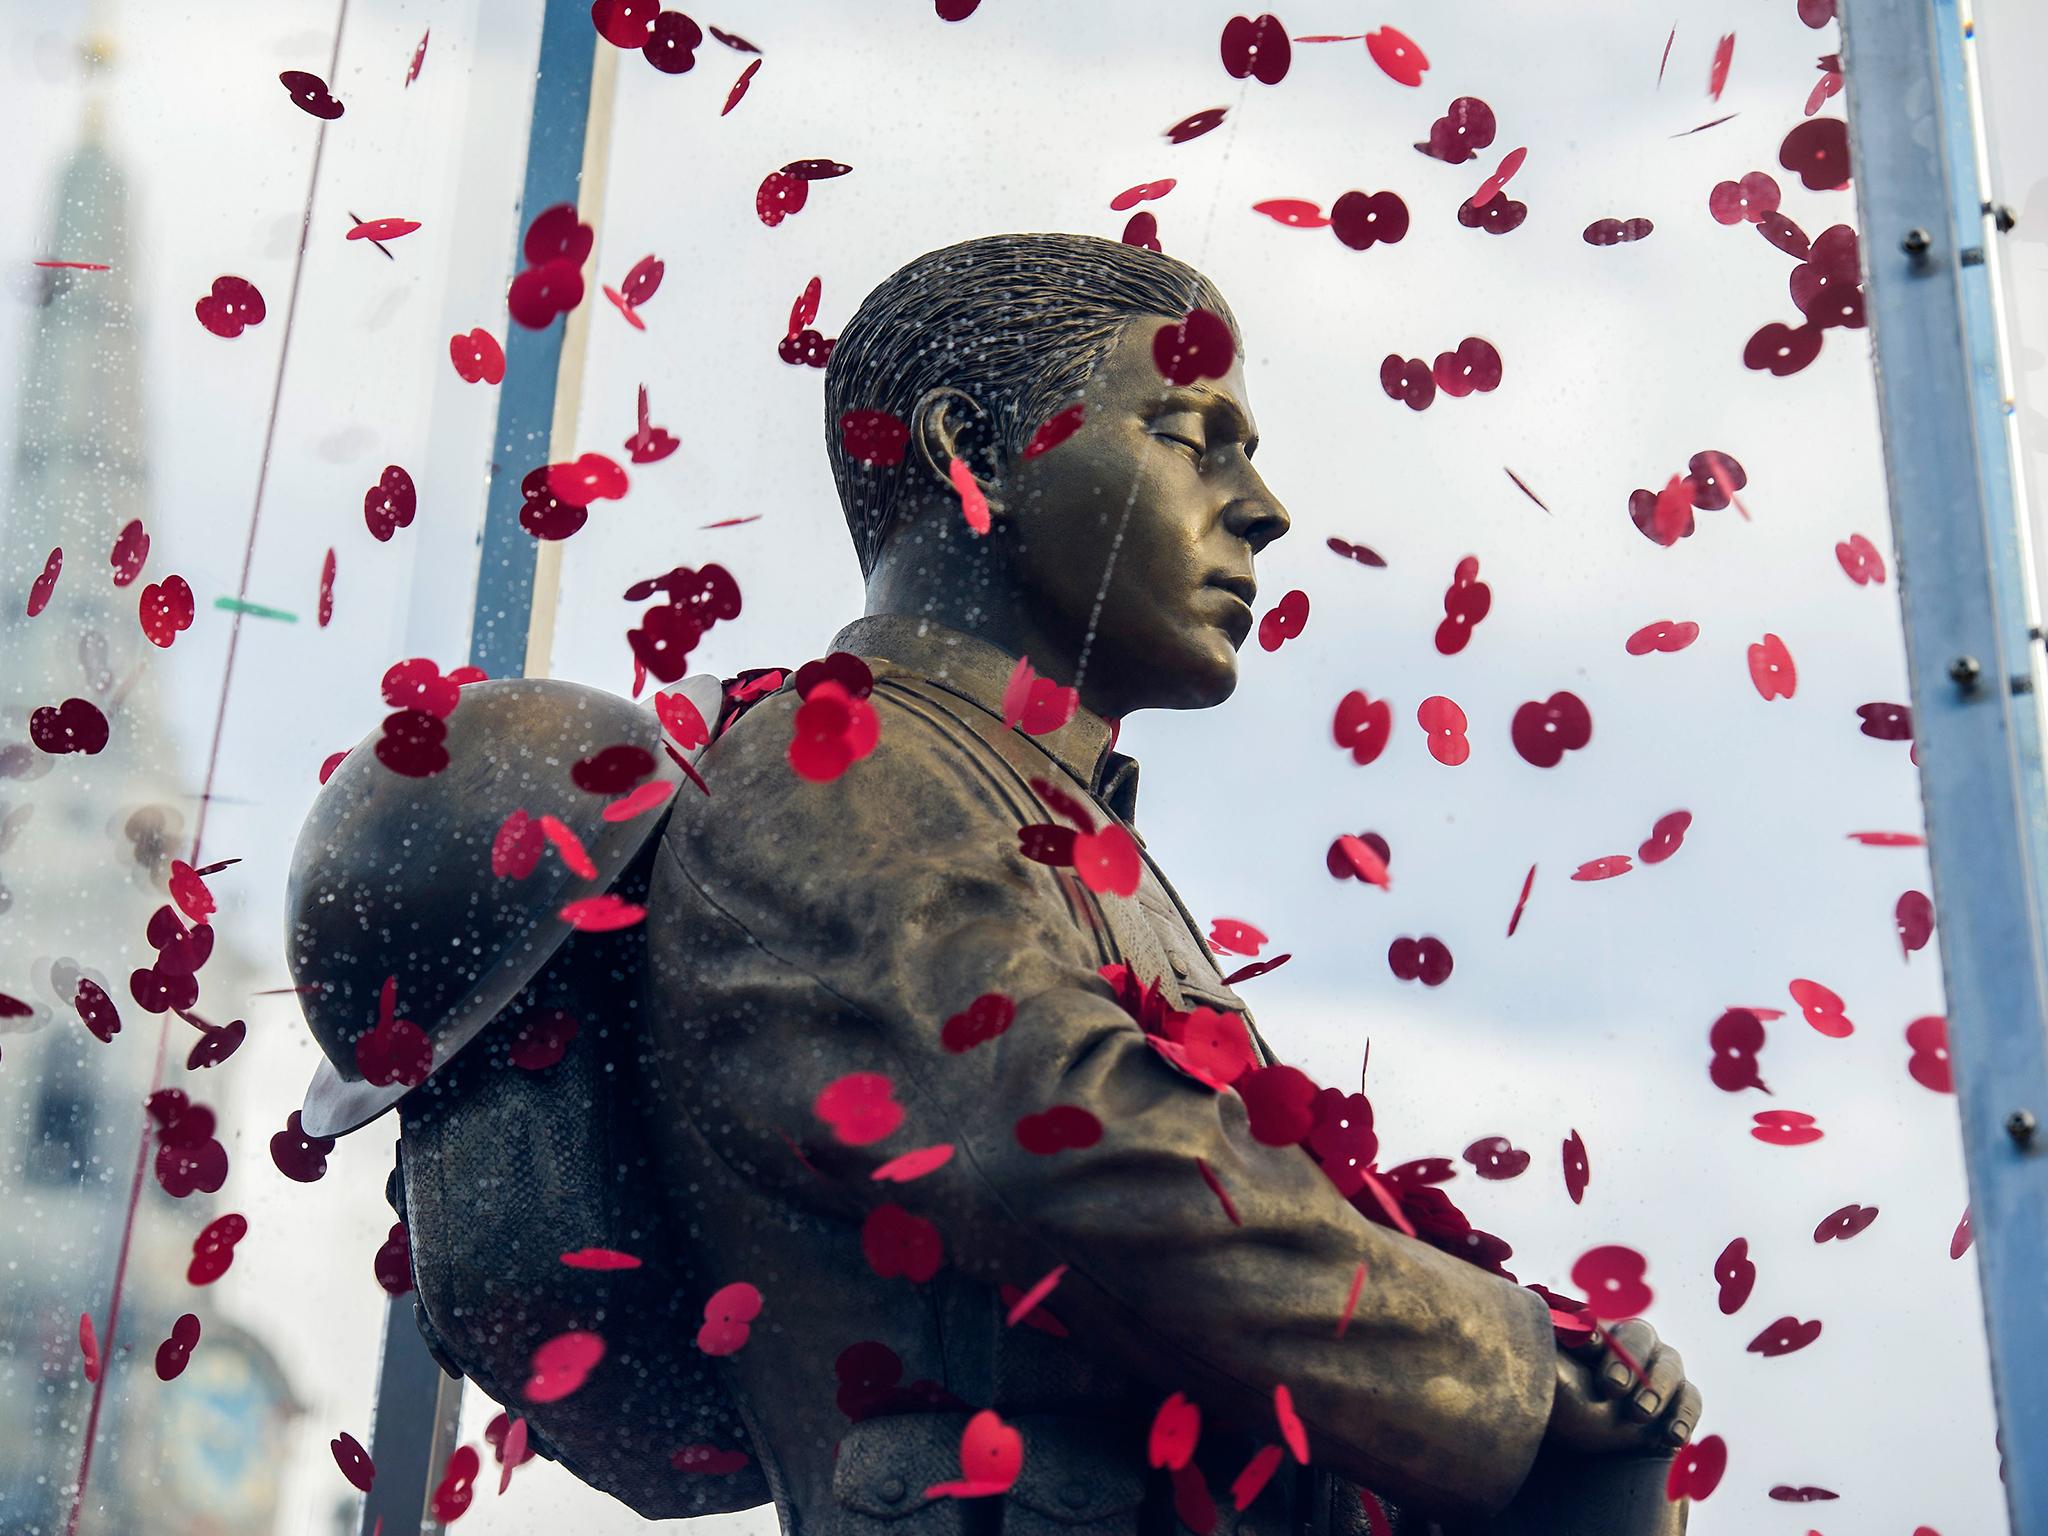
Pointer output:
x,y
1240,609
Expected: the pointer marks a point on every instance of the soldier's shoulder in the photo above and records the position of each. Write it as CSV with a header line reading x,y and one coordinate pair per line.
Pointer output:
x,y
929,775
913,736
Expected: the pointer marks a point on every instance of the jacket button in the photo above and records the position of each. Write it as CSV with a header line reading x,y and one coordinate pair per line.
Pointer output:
x,y
891,1489
1180,966
1073,1495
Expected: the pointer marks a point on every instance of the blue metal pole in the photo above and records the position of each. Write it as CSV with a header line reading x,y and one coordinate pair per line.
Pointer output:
x,y
1972,662
526,400
412,1426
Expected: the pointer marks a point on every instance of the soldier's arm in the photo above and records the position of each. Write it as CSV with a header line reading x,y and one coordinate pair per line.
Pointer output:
x,y
849,920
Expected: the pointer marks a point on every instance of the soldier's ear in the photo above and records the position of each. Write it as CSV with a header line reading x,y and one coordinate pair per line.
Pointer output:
x,y
949,423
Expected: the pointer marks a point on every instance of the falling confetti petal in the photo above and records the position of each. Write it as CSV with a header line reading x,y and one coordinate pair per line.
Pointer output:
x,y
1703,127
1351,1299
973,504
1717,76
1028,1302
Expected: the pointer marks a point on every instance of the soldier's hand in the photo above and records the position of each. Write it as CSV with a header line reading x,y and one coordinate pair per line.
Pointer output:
x,y
1602,1408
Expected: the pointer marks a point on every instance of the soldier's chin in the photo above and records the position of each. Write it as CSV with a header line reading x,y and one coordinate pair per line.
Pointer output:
x,y
1204,671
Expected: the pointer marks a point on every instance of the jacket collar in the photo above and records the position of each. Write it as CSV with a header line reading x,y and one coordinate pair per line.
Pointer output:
x,y
977,670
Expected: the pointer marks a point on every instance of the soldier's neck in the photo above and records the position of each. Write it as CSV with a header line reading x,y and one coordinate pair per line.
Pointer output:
x,y
976,602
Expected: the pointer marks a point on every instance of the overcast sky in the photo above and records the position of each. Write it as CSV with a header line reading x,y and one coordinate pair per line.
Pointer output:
x,y
1619,364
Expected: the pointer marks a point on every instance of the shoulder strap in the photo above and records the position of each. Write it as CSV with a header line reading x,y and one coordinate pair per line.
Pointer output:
x,y
1130,934
1135,941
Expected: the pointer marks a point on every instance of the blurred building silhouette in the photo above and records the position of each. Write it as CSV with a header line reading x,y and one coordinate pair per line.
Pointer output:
x,y
86,844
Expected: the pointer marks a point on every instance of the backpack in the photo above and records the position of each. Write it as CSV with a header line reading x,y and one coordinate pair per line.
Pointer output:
x,y
502,1170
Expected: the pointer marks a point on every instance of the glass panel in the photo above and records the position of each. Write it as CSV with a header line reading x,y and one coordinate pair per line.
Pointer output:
x,y
1622,368
1721,840
163,155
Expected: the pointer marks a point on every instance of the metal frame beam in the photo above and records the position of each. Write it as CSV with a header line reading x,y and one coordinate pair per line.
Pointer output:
x,y
533,359
414,1425
1975,670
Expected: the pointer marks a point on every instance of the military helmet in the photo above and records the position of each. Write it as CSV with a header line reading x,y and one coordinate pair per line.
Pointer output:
x,y
412,899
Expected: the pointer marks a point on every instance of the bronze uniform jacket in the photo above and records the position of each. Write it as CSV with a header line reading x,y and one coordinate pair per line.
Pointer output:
x,y
803,931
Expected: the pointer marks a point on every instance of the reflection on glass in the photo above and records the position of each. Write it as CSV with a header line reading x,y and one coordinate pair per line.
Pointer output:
x,y
91,839
149,158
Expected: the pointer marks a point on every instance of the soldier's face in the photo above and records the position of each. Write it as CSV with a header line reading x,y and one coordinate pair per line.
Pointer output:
x,y
1138,532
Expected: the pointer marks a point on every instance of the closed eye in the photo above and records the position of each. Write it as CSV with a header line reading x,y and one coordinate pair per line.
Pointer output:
x,y
1196,448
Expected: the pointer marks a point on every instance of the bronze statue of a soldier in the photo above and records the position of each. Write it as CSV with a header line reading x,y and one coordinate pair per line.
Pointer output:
x,y
878,1093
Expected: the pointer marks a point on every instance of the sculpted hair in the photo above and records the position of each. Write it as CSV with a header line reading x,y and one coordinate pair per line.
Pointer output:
x,y
1016,321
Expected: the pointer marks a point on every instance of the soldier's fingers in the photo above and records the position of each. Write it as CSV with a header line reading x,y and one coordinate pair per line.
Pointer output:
x,y
1683,1415
1635,1339
1592,1349
1580,1383
1664,1375
1575,1374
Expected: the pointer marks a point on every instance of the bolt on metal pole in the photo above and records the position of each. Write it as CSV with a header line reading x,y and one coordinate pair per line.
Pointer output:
x,y
1964,590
